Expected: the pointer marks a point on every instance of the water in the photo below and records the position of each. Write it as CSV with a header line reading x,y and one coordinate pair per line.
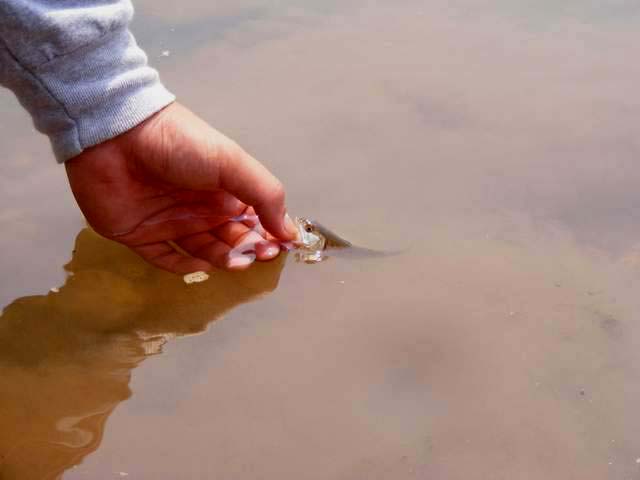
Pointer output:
x,y
494,143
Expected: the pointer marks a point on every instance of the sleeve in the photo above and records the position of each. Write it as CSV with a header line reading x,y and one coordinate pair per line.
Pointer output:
x,y
74,65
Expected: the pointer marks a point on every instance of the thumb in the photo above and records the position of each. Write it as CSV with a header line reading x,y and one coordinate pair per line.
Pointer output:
x,y
248,180
182,149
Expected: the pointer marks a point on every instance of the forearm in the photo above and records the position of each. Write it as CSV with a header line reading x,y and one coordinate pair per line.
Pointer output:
x,y
76,68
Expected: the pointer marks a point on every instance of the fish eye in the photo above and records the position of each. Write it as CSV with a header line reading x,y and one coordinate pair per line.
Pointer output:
x,y
309,228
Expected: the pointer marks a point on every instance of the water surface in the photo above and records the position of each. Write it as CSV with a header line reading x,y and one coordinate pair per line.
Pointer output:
x,y
496,142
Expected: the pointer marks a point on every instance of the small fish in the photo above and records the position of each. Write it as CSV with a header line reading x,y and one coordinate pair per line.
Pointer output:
x,y
315,239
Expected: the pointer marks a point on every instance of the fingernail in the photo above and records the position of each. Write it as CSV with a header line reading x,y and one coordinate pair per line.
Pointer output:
x,y
290,226
272,251
239,261
250,238
267,249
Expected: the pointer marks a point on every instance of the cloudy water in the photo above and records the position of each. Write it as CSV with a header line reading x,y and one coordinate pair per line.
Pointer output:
x,y
494,143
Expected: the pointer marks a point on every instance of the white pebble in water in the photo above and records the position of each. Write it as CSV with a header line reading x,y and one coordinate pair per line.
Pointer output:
x,y
195,277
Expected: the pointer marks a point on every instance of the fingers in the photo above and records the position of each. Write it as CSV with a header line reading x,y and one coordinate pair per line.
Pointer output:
x,y
232,246
163,256
248,180
168,228
182,219
254,244
209,251
246,241
208,247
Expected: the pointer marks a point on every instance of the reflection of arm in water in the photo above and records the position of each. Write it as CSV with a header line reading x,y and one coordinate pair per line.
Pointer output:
x,y
143,169
66,358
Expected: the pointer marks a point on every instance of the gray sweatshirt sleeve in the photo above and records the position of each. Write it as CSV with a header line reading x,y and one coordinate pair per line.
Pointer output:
x,y
74,65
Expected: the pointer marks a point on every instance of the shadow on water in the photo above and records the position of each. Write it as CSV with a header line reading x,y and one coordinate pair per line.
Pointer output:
x,y
66,358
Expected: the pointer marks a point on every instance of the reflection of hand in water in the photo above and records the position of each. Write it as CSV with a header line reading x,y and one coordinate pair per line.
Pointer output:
x,y
174,178
66,358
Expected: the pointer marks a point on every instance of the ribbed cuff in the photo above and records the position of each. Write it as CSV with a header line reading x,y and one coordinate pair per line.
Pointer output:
x,y
113,119
104,89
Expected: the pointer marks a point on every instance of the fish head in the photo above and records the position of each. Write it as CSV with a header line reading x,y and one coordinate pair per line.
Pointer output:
x,y
309,235
314,236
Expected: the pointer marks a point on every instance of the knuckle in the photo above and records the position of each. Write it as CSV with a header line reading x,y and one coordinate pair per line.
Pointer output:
x,y
277,193
227,150
214,150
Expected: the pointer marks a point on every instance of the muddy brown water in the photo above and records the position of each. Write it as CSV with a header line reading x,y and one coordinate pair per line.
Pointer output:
x,y
495,143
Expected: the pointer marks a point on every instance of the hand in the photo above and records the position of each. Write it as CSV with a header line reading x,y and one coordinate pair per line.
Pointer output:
x,y
174,178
